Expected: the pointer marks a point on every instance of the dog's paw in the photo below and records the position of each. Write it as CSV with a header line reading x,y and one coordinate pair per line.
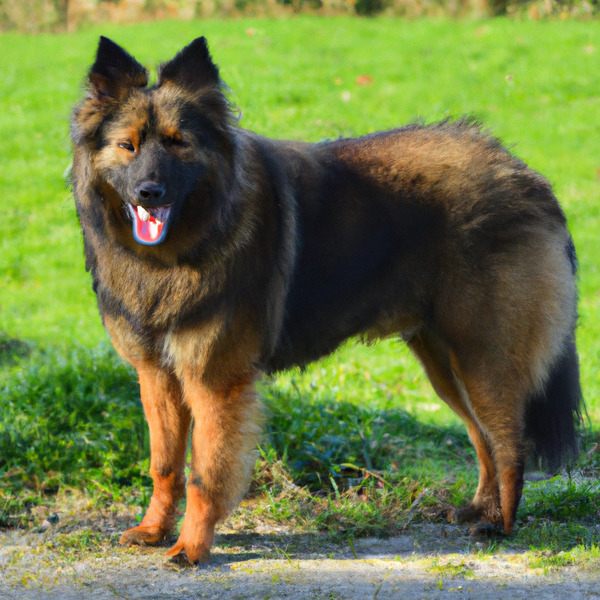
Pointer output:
x,y
478,512
467,514
144,535
193,553
484,530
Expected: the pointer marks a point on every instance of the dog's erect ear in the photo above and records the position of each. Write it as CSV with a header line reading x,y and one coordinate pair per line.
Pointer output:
x,y
115,72
192,68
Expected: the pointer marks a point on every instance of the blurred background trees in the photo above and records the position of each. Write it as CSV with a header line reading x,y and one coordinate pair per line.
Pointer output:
x,y
31,16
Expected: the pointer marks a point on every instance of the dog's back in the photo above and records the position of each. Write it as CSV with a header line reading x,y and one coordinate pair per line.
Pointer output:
x,y
407,229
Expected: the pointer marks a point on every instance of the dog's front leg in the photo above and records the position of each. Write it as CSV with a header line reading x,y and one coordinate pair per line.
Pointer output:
x,y
168,420
227,422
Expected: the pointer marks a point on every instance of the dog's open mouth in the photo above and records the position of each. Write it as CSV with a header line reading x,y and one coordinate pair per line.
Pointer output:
x,y
150,225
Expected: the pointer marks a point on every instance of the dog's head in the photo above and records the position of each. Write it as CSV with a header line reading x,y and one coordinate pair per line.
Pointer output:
x,y
153,147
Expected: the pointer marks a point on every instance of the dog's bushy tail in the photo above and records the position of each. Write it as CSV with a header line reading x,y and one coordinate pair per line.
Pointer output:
x,y
553,415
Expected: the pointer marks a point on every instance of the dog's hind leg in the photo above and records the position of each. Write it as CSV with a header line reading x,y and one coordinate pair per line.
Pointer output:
x,y
226,429
434,356
498,404
168,421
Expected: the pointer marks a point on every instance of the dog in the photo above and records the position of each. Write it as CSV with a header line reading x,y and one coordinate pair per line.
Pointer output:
x,y
218,255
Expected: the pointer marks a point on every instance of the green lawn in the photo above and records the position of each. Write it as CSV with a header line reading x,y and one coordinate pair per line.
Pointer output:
x,y
69,410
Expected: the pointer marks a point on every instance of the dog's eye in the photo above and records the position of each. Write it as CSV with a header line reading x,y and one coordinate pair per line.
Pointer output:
x,y
126,146
176,141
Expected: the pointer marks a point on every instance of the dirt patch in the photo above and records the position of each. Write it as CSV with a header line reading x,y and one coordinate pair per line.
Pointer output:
x,y
429,561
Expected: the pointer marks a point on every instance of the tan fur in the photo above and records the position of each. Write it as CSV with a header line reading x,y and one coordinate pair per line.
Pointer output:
x,y
168,421
227,427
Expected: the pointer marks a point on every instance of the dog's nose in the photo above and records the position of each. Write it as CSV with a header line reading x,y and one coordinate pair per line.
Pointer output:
x,y
150,193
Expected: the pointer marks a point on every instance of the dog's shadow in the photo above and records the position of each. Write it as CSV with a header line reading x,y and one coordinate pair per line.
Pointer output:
x,y
293,548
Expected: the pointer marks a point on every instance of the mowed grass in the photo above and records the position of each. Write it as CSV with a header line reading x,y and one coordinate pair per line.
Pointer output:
x,y
364,423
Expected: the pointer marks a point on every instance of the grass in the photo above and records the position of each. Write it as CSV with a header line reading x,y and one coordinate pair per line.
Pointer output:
x,y
451,569
357,443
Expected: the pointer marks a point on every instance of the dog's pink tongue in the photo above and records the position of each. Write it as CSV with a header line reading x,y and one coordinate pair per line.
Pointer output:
x,y
148,231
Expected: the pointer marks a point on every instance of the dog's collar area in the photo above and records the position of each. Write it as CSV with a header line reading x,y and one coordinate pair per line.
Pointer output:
x,y
149,224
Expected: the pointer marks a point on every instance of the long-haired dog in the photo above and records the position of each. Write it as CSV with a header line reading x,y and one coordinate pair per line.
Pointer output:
x,y
217,255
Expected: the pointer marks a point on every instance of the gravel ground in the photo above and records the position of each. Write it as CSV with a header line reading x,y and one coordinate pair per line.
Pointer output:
x,y
430,562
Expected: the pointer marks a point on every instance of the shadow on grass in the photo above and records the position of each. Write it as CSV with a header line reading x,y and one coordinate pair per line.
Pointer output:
x,y
329,439
13,350
76,411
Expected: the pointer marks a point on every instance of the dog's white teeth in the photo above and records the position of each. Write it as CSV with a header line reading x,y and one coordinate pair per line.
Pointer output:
x,y
153,229
143,214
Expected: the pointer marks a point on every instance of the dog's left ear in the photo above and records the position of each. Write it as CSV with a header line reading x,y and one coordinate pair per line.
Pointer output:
x,y
192,68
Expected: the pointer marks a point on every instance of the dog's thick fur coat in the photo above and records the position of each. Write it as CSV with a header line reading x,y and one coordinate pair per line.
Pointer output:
x,y
217,255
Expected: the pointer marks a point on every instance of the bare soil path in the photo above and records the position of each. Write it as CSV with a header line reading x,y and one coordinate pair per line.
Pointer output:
x,y
427,562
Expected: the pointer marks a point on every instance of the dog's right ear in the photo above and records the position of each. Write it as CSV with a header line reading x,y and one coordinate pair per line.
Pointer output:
x,y
115,72
112,76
